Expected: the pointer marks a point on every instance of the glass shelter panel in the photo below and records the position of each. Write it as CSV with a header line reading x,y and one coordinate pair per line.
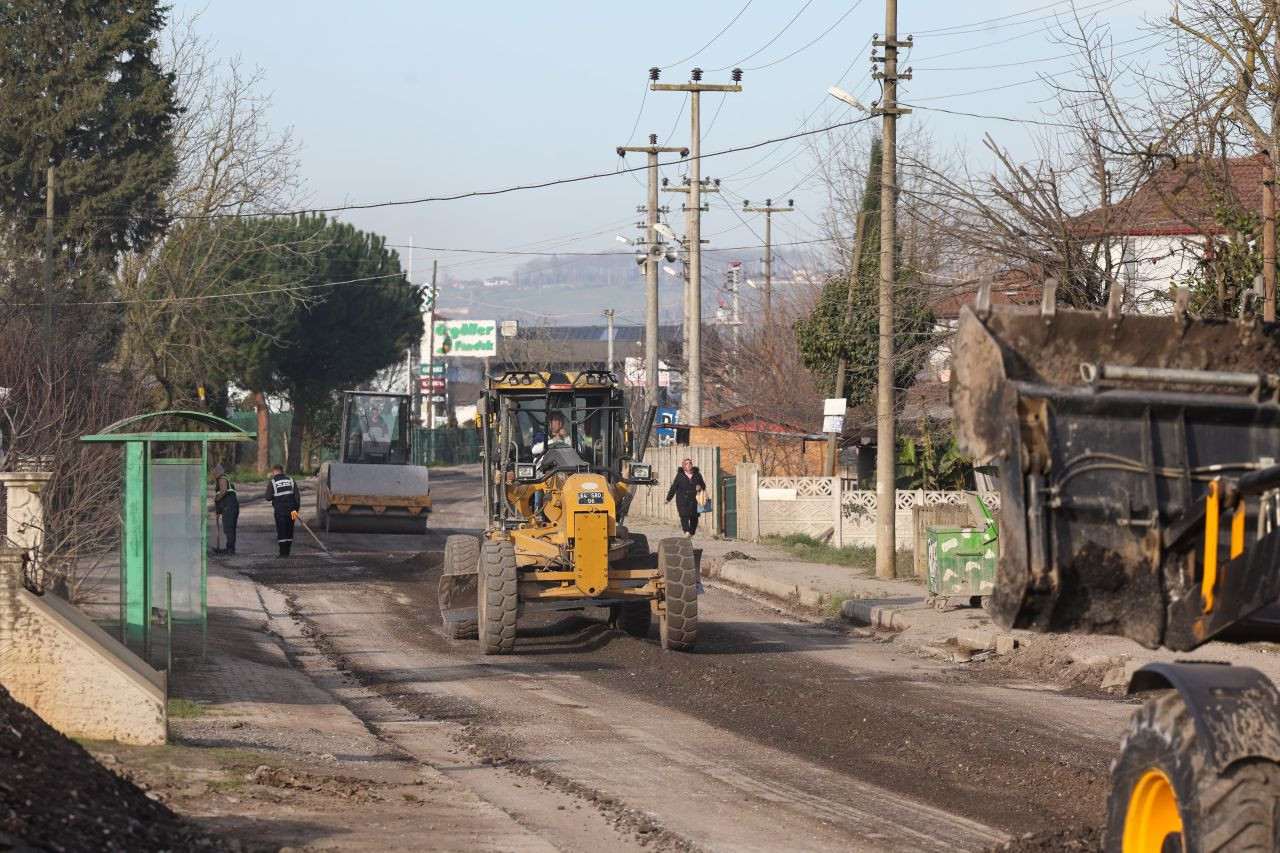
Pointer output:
x,y
177,535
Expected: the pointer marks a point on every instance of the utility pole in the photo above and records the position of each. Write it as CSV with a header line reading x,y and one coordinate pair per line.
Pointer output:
x,y
653,252
734,276
886,495
431,348
414,357
48,257
855,274
1268,238
693,317
707,186
768,210
608,316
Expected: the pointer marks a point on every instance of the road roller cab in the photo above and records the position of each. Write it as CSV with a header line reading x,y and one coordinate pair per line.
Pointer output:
x,y
374,487
559,467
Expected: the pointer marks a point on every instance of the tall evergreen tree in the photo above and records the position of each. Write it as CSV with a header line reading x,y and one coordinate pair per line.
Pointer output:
x,y
824,337
81,91
342,311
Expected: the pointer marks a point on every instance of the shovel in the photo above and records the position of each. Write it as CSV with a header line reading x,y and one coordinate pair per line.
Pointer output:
x,y
313,535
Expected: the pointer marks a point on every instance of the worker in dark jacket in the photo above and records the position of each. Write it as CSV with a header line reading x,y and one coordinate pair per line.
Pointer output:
x,y
226,505
685,488
282,491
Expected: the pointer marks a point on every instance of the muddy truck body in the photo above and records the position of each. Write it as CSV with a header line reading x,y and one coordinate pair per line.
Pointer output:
x,y
1140,496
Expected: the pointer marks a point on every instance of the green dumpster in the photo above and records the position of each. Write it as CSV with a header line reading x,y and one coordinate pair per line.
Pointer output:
x,y
962,560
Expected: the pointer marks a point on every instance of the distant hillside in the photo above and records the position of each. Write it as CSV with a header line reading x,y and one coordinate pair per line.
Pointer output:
x,y
576,289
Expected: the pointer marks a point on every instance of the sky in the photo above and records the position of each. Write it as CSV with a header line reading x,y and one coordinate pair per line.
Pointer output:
x,y
398,100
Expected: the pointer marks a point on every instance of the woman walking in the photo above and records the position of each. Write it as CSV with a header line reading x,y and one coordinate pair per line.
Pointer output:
x,y
685,488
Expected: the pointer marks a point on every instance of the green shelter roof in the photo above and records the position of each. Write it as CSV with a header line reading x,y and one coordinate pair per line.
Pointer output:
x,y
220,429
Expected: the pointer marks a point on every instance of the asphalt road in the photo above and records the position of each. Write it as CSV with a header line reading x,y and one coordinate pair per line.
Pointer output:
x,y
776,734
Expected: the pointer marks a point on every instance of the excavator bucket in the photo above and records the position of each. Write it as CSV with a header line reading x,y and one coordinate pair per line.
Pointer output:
x,y
1121,442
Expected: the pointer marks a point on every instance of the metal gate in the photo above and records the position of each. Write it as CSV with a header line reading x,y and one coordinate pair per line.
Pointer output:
x,y
729,507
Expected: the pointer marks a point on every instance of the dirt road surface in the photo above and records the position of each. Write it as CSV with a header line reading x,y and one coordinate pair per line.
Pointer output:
x,y
779,733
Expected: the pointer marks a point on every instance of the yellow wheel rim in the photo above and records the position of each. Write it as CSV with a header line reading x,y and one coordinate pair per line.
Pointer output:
x,y
1152,816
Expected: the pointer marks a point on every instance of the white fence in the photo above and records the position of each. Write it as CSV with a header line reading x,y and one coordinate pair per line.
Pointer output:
x,y
816,505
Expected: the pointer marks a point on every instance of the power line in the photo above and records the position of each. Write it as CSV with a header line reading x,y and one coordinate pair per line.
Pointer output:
x,y
713,39
554,182
824,34
737,64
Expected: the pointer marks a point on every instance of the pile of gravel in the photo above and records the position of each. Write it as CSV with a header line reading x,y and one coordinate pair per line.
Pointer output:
x,y
55,796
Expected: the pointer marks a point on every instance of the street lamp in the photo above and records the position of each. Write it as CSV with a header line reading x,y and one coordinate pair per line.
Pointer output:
x,y
841,94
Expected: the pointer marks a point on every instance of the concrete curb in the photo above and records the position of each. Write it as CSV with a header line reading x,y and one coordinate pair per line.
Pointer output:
x,y
874,615
733,573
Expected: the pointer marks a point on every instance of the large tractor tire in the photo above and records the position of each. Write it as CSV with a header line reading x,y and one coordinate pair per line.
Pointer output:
x,y
635,619
498,603
678,620
461,559
1164,799
639,544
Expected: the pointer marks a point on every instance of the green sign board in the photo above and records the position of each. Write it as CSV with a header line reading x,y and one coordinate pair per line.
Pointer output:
x,y
468,338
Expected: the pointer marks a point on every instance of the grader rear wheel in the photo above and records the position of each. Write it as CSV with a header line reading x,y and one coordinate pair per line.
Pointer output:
x,y
1164,800
497,601
678,619
461,558
635,619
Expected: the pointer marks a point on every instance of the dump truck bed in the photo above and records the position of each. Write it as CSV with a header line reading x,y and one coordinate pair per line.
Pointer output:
x,y
1108,431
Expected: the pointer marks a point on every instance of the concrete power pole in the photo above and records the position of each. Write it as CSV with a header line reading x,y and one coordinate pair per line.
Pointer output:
x,y
431,348
608,316
886,439
693,317
768,210
707,185
654,254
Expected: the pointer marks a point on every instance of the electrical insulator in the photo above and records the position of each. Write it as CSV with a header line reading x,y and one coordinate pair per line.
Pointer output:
x,y
697,75
653,74
653,139
736,74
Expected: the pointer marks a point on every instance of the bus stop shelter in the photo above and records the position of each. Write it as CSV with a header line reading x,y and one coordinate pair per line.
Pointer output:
x,y
164,522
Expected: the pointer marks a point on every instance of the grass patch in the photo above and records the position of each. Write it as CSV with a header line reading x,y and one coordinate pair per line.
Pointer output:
x,y
225,784
185,709
802,546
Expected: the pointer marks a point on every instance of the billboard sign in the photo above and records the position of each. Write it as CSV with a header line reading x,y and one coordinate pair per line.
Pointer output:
x,y
466,338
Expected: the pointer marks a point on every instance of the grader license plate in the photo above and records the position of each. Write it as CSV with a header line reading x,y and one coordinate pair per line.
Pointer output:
x,y
591,498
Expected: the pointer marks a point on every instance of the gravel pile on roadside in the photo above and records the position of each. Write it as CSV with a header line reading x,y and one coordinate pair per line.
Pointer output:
x,y
55,796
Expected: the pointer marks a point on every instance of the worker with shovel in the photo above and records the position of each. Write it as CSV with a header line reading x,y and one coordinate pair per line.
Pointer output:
x,y
227,507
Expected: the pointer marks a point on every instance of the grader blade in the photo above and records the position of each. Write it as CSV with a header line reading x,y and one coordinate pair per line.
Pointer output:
x,y
1108,430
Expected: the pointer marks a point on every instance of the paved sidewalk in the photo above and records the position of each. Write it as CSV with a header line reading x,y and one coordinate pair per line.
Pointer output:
x,y
959,633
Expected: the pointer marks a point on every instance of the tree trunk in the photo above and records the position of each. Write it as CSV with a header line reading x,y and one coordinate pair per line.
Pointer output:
x,y
264,431
298,428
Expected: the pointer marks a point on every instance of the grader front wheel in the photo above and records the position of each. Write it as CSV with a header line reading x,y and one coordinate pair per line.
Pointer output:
x,y
678,618
497,602
1164,799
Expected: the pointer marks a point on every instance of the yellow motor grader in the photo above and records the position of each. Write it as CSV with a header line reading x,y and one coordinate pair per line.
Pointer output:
x,y
557,476
1140,496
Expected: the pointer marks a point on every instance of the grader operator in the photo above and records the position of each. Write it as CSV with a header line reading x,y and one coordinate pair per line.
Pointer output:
x,y
558,470
1140,496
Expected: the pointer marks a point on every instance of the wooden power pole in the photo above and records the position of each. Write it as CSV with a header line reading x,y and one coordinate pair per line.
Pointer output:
x,y
693,316
886,438
653,256
768,210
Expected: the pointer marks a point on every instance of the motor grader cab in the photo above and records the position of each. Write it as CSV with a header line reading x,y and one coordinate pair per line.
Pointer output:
x,y
374,487
1140,496
557,473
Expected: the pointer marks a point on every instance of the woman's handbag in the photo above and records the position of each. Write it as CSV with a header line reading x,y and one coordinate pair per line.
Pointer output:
x,y
704,501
